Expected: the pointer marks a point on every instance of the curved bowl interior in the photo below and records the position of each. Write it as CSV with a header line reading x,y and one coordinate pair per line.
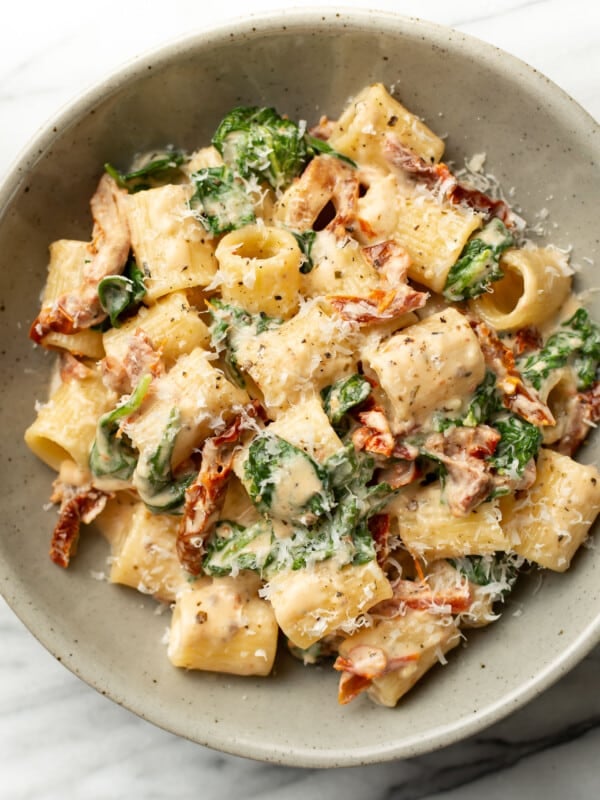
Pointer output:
x,y
539,143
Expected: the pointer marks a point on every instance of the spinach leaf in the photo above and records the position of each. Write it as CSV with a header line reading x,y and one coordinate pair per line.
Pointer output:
x,y
258,142
344,534
483,405
363,544
519,443
232,548
343,395
121,294
500,568
357,499
478,265
157,169
113,455
228,323
305,240
343,467
319,147
350,474
576,342
153,477
341,531
220,201
284,481
226,318
485,402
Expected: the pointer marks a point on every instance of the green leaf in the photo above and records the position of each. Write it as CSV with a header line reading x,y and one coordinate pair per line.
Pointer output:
x,y
113,455
232,547
478,265
575,343
363,544
320,147
485,402
220,201
341,531
519,439
156,169
115,293
500,568
284,481
153,477
344,394
343,467
305,240
229,322
519,443
225,317
121,294
258,142
117,176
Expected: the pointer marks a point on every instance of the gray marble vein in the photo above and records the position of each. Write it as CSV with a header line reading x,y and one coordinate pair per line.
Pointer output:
x,y
490,12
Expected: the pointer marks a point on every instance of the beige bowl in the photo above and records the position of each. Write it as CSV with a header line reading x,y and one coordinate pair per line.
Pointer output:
x,y
538,141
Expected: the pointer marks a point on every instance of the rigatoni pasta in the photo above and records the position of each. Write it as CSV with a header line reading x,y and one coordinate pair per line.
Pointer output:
x,y
65,270
260,270
224,626
316,390
172,325
373,113
549,523
430,531
536,282
169,244
65,426
431,366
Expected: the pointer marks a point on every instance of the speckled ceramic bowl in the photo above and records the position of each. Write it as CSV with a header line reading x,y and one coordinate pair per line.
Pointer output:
x,y
538,142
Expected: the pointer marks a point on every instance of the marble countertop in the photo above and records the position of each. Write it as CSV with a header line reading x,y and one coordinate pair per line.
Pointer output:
x,y
58,737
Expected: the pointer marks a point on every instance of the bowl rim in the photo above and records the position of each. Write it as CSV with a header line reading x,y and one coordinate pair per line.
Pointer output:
x,y
250,26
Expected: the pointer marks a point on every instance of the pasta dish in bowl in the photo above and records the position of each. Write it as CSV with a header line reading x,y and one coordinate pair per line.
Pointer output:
x,y
321,390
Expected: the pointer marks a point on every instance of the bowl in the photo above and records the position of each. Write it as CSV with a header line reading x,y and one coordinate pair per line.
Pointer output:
x,y
540,145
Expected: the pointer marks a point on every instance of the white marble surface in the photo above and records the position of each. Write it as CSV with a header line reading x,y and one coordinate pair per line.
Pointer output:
x,y
58,738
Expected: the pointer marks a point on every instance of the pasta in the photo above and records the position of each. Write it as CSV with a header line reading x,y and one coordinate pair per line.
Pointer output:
x,y
536,283
316,391
171,245
260,268
419,372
